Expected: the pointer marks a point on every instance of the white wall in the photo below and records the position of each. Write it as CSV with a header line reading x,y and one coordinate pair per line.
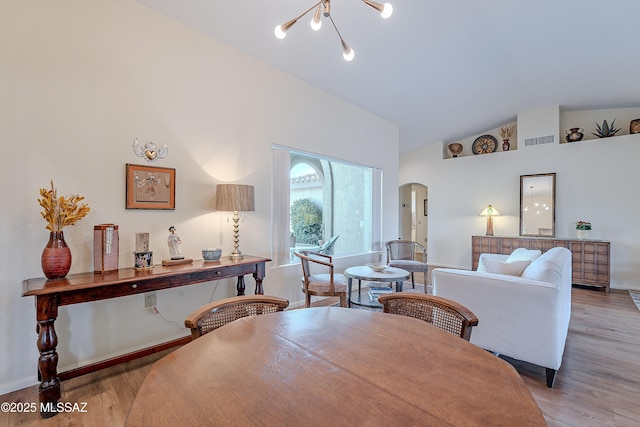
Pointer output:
x,y
78,82
596,181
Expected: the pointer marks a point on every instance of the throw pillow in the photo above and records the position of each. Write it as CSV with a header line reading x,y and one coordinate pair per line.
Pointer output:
x,y
522,254
515,268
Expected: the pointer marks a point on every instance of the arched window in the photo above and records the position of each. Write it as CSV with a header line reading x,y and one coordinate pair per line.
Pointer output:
x,y
319,200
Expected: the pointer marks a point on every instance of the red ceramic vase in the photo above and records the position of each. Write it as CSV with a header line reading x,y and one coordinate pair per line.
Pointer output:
x,y
56,256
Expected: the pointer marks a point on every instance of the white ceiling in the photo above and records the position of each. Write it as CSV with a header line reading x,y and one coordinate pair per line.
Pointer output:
x,y
442,69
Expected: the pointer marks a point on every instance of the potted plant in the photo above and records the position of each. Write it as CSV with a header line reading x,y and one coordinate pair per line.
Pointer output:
x,y
606,130
583,229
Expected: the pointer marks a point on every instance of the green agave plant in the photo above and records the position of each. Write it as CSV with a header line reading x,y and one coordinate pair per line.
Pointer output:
x,y
605,130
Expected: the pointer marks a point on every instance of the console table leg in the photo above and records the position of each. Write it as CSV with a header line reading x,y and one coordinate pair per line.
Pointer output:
x,y
258,276
49,390
259,290
240,286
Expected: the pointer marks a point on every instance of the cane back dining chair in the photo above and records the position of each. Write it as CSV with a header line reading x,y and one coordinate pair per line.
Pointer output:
x,y
219,313
328,284
441,312
402,254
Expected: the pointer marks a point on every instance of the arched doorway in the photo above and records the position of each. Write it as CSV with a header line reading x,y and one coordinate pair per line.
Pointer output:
x,y
414,208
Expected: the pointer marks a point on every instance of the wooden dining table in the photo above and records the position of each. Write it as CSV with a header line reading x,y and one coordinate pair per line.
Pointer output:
x,y
332,366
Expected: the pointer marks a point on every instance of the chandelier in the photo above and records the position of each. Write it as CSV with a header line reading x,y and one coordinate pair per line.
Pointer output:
x,y
324,7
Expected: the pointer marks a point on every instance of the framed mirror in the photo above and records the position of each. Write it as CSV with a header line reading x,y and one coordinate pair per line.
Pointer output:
x,y
538,205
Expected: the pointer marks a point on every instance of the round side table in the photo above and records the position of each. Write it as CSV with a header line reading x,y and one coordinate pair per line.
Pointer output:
x,y
362,272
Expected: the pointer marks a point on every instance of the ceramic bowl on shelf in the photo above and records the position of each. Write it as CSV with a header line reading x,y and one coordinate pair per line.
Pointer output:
x,y
378,267
211,254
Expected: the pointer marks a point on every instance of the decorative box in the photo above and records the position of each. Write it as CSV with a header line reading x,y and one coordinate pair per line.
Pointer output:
x,y
105,247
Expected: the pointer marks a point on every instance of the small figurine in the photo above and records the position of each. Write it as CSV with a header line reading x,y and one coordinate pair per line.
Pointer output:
x,y
174,244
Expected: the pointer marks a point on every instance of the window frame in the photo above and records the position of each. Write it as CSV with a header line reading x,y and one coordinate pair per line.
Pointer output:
x,y
280,209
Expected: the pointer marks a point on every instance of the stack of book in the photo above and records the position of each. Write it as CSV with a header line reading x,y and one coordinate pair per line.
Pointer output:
x,y
376,291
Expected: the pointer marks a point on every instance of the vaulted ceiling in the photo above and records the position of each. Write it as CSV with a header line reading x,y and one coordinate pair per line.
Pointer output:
x,y
442,69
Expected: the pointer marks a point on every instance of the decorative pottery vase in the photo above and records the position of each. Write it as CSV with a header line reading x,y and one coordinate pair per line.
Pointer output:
x,y
506,145
583,234
455,148
634,126
56,256
575,134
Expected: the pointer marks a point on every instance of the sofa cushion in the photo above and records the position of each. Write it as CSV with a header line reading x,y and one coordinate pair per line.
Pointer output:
x,y
514,268
523,254
545,270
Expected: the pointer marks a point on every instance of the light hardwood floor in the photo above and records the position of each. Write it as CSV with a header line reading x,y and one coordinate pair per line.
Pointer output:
x,y
597,385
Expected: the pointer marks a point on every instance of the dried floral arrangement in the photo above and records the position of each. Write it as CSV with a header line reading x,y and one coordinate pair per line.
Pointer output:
x,y
61,211
506,131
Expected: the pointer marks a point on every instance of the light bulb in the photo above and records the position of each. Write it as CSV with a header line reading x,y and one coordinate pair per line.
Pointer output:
x,y
348,54
279,33
387,11
316,24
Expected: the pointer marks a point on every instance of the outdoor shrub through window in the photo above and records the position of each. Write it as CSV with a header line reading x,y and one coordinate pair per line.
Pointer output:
x,y
322,201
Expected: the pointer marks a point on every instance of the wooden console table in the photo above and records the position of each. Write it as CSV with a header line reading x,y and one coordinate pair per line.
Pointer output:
x,y
86,287
590,258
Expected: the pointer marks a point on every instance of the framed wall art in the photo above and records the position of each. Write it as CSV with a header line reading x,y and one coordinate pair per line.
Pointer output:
x,y
149,187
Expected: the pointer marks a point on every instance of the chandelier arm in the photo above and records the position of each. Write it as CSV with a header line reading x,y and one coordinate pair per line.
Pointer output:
x,y
336,28
309,10
281,30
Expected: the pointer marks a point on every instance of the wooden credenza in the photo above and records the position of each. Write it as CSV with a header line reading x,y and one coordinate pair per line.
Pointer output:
x,y
590,258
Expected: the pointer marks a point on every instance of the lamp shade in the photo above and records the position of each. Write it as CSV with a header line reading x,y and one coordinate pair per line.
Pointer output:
x,y
490,211
235,198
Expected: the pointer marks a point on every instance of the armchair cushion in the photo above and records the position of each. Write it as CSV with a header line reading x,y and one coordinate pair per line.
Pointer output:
x,y
320,282
408,264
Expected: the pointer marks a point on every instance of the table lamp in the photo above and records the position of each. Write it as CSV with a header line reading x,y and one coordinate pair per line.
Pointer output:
x,y
235,198
490,212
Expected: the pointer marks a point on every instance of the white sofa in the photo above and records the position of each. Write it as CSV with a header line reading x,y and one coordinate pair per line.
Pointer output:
x,y
524,317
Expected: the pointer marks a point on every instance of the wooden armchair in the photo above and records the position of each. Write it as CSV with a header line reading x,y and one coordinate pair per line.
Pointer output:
x,y
321,284
402,254
441,312
219,313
